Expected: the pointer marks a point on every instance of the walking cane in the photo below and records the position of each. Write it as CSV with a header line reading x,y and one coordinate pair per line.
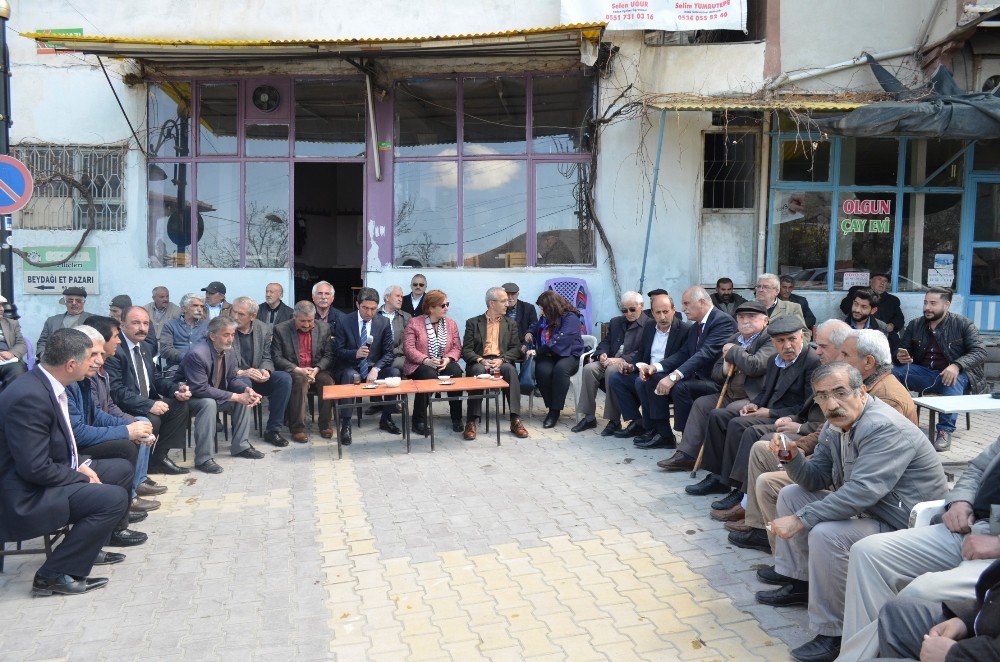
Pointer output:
x,y
718,403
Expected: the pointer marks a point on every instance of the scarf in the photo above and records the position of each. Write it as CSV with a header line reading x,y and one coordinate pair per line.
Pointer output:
x,y
437,338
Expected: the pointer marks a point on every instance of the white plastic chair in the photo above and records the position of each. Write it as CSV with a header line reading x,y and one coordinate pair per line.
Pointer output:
x,y
924,512
589,345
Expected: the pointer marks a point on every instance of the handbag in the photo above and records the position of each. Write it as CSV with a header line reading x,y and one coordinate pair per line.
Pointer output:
x,y
527,374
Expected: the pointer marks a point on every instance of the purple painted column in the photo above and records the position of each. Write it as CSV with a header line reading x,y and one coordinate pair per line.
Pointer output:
x,y
379,194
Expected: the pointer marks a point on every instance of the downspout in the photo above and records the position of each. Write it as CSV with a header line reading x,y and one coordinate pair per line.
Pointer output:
x,y
860,60
652,197
765,193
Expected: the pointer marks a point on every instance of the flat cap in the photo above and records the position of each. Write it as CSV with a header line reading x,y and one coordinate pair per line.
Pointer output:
x,y
75,292
215,287
784,325
511,288
752,306
122,301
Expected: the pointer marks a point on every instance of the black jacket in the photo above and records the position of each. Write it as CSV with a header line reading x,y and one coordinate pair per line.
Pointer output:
x,y
524,314
981,618
959,340
409,307
678,337
787,389
696,358
730,307
889,311
615,338
125,385
267,316
807,314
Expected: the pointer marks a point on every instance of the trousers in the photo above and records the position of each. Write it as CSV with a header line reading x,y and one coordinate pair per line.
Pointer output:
x,y
278,390
508,371
206,412
298,404
594,374
170,428
903,624
347,377
695,426
765,478
924,380
552,375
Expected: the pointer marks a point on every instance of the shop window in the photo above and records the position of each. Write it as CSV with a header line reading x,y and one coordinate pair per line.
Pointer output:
x,y
564,230
801,242
168,115
266,211
730,171
864,224
494,213
426,118
219,214
931,224
562,108
267,140
803,160
217,105
985,271
935,163
987,227
494,114
987,155
426,221
869,161
329,118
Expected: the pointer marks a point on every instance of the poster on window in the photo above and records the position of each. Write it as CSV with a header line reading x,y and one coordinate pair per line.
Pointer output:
x,y
667,15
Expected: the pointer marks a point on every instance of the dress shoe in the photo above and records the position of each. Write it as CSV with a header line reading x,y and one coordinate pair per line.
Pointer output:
x,y
611,428
470,431
143,505
708,485
389,426
167,466
457,425
274,438
631,430
645,437
769,575
145,490
789,595
108,558
823,648
751,539
420,427
734,514
250,453
371,411
209,466
677,462
739,526
326,433
300,437
345,434
658,441
134,517
517,429
551,419
127,538
734,498
66,585
586,423
942,441
149,481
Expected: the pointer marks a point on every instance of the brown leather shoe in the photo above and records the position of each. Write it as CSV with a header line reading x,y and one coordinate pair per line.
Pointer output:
x,y
300,437
734,514
326,433
518,429
739,526
470,430
143,505
676,462
145,490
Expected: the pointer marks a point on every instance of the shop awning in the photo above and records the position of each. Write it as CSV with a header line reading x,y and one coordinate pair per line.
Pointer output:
x,y
562,40
706,103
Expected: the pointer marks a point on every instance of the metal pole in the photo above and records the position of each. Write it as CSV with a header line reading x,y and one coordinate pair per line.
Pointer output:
x,y
6,255
652,198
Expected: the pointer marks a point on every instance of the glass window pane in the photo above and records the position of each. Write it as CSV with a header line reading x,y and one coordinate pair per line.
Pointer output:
x,y
865,226
426,118
217,118
426,223
801,243
987,213
219,211
494,213
495,112
168,231
730,171
987,155
169,119
267,140
266,207
562,107
924,157
869,161
985,271
803,161
564,231
329,118
931,226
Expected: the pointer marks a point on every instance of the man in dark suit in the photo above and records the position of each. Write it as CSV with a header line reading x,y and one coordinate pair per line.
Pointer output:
x,y
660,341
521,312
274,311
12,349
302,348
253,349
889,306
787,285
414,303
786,388
138,391
492,341
74,298
355,355
710,330
45,484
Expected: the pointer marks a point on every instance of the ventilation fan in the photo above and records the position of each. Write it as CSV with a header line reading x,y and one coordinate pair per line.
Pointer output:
x,y
266,98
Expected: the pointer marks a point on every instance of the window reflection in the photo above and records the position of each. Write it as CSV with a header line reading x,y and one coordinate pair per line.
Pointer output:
x,y
217,118
494,115
562,109
562,217
494,213
169,119
426,222
931,224
329,118
168,236
267,140
803,161
266,209
426,118
865,226
219,196
801,243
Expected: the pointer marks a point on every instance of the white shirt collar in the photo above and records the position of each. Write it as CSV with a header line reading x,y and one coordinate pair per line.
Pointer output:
x,y
57,386
129,344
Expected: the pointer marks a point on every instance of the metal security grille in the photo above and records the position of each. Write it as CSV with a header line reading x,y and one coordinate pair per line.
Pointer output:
x,y
59,206
730,170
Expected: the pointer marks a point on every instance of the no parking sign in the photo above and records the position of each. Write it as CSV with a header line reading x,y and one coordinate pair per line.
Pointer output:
x,y
16,185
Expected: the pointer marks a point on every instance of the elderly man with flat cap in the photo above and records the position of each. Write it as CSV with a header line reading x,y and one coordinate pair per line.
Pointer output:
x,y
12,349
215,300
74,299
521,312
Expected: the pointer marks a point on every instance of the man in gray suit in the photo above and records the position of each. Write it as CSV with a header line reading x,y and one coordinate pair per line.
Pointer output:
x,y
303,349
161,309
766,292
74,298
253,347
392,310
12,349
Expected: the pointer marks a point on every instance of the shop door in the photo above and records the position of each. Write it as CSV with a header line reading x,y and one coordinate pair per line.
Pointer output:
x,y
981,253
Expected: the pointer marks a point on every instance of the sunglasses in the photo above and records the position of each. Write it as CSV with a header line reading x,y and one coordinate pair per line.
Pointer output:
x,y
629,310
418,284
445,304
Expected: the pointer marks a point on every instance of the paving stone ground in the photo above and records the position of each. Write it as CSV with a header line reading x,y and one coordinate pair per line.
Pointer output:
x,y
559,547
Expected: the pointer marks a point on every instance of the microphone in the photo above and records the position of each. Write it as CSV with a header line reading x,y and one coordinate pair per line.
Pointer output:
x,y
369,340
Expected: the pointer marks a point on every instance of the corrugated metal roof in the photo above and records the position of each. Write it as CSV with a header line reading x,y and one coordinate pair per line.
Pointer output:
x,y
740,103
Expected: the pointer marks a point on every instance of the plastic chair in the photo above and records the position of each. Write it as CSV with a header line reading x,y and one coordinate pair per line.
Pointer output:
x,y
924,512
577,292
29,357
589,345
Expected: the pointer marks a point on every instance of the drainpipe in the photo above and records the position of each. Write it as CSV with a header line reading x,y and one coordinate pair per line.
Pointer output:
x,y
764,194
860,60
652,197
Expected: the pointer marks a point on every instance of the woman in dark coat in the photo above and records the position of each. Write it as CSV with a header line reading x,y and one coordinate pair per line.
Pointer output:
x,y
558,346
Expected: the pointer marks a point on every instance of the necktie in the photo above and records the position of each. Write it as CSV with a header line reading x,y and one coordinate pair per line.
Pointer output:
x,y
64,405
220,367
363,367
701,330
140,370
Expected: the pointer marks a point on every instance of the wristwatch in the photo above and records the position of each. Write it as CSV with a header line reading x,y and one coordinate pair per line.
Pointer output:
x,y
672,377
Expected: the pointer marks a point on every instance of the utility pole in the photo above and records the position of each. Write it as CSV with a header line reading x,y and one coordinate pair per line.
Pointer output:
x,y
6,254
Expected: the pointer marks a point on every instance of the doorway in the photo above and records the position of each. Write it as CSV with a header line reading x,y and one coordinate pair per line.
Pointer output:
x,y
329,237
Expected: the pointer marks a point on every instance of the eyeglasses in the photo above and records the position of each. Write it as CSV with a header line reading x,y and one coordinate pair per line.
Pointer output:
x,y
629,310
840,393
445,304
766,287
418,284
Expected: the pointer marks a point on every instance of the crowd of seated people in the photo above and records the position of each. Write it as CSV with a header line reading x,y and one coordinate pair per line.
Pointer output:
x,y
808,431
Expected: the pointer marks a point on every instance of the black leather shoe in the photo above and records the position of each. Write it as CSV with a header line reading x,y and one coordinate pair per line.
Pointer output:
x,y
420,427
631,430
789,595
645,437
769,575
586,423
658,441
66,585
274,438
823,648
345,434
108,558
136,517
752,539
457,425
127,538
708,485
725,503
551,419
610,429
250,453
167,466
209,466
389,426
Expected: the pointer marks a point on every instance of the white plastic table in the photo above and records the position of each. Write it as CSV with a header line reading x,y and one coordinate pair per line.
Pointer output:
x,y
955,404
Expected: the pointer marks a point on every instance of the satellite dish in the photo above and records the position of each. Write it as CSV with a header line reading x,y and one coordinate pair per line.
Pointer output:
x,y
266,98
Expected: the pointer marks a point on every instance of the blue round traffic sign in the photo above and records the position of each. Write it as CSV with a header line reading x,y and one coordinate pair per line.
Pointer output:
x,y
16,184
